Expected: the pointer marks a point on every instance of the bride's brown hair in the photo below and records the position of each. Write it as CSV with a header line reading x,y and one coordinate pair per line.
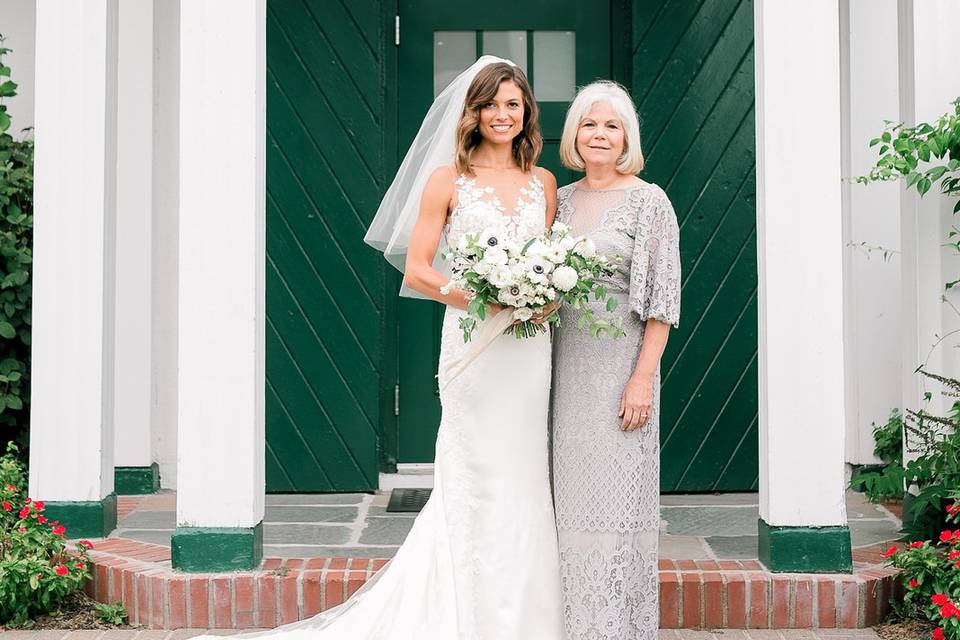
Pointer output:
x,y
529,142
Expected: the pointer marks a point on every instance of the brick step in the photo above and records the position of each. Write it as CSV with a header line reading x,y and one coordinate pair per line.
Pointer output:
x,y
701,594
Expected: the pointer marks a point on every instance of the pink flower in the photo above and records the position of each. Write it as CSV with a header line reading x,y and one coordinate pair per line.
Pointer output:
x,y
946,535
948,610
79,565
10,487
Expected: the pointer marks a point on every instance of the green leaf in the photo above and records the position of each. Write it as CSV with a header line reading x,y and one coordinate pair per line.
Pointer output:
x,y
4,120
7,330
886,137
8,89
14,402
933,174
611,304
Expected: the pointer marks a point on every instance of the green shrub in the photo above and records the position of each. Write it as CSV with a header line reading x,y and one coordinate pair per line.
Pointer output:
x,y
16,257
887,481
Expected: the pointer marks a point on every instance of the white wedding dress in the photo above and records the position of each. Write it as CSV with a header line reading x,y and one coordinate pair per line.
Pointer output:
x,y
481,560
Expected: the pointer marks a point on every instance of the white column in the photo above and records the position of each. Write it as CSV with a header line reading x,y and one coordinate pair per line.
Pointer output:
x,y
800,260
134,209
71,432
166,204
220,475
929,82
871,216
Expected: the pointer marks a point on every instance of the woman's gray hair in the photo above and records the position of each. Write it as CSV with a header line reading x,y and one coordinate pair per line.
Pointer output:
x,y
631,162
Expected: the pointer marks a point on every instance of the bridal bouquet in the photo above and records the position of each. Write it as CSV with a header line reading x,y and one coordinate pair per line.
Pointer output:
x,y
554,267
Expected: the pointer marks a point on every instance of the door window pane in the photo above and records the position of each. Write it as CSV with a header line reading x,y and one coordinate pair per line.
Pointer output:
x,y
554,65
511,45
453,51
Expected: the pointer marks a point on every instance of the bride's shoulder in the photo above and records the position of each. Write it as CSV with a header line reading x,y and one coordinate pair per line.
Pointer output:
x,y
546,178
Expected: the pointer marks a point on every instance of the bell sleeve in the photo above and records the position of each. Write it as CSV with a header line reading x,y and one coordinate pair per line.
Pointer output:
x,y
655,268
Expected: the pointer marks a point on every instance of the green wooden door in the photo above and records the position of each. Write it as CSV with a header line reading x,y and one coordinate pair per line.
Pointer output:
x,y
692,81
325,288
560,45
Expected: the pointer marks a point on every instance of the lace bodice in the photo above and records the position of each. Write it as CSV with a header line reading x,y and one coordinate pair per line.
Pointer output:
x,y
478,208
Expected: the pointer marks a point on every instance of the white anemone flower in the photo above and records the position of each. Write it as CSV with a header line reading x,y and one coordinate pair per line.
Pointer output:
x,y
490,238
538,269
565,278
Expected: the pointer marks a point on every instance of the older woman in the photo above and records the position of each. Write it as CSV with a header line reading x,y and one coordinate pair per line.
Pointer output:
x,y
605,394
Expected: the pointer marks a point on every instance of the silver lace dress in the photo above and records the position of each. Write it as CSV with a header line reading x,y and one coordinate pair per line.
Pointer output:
x,y
607,481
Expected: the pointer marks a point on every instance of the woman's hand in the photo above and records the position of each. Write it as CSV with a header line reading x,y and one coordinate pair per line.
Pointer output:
x,y
635,402
543,316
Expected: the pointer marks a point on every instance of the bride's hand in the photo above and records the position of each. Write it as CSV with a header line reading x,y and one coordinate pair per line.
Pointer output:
x,y
543,316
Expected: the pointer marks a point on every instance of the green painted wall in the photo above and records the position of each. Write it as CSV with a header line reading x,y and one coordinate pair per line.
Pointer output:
x,y
331,301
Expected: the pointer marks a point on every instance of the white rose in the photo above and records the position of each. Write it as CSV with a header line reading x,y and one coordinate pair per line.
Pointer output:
x,y
567,242
564,278
586,248
556,254
483,267
523,314
500,276
464,246
495,255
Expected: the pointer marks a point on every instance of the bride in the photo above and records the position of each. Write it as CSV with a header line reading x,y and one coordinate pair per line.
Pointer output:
x,y
481,560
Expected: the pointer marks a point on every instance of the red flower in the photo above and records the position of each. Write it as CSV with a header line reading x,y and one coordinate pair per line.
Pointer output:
x,y
79,565
945,536
59,530
937,634
62,570
24,512
913,584
86,543
953,555
42,519
953,508
7,506
957,564
22,529
891,551
10,487
38,505
916,544
27,501
939,599
948,610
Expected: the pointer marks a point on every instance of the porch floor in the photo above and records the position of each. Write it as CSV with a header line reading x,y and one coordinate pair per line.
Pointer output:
x,y
356,525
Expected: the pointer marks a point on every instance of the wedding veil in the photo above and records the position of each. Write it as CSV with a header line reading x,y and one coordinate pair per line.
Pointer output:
x,y
433,147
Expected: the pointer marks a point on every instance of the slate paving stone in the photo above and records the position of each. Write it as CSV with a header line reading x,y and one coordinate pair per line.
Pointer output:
x,y
733,547
867,532
382,511
155,537
682,548
310,514
707,521
386,530
710,499
275,499
304,534
150,520
285,551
